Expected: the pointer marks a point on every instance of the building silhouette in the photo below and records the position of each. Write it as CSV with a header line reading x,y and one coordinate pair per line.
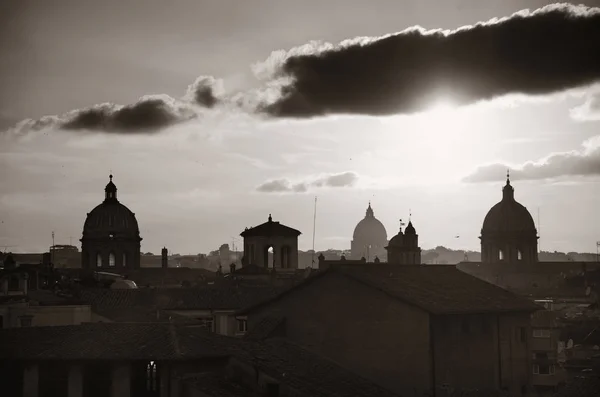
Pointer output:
x,y
369,238
403,248
508,233
111,236
271,245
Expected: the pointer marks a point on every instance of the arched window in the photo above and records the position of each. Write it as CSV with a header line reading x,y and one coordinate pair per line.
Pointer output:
x,y
111,259
151,375
501,255
124,259
519,255
270,257
98,260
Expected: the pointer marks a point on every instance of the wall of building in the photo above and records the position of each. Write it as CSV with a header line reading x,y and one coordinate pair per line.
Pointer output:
x,y
515,352
362,329
45,315
466,351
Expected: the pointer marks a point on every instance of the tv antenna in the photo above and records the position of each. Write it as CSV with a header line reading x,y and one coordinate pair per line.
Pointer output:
x,y
312,262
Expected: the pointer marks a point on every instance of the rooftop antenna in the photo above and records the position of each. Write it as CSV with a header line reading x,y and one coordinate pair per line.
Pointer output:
x,y
314,231
409,214
53,248
539,230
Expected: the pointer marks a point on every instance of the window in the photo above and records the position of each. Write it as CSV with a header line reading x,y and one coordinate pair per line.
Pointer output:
x,y
124,259
25,321
541,333
242,325
207,322
523,334
98,260
13,283
111,259
501,255
151,375
272,390
519,255
543,369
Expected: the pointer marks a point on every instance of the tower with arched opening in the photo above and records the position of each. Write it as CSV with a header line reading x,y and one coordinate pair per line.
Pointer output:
x,y
271,245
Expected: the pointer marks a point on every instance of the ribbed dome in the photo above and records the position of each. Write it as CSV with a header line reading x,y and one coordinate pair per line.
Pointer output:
x,y
397,240
370,228
111,218
508,216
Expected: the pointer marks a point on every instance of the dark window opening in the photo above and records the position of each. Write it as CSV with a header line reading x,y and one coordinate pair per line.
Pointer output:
x,y
151,377
25,321
242,325
272,390
97,380
13,283
53,380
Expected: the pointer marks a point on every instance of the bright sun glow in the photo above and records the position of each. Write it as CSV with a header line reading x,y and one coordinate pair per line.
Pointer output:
x,y
442,107
442,134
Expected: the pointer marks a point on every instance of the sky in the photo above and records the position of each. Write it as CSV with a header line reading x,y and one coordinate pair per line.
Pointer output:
x,y
211,115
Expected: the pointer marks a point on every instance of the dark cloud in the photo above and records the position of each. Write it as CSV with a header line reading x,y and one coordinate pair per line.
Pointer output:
x,y
149,114
146,115
548,50
545,51
344,179
204,91
585,162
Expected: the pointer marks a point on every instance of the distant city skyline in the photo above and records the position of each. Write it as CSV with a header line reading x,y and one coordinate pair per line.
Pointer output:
x,y
199,164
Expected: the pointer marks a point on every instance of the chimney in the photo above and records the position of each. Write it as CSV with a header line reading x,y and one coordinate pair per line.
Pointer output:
x,y
164,260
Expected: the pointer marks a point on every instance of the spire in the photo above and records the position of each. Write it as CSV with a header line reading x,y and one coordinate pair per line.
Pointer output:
x,y
508,192
110,191
270,218
370,213
410,229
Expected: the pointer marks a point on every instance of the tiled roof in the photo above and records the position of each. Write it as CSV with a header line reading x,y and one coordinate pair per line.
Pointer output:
x,y
581,387
265,328
110,341
306,372
198,298
271,228
214,384
438,289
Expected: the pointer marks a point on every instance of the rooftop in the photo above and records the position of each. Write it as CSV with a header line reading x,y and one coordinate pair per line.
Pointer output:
x,y
109,341
437,289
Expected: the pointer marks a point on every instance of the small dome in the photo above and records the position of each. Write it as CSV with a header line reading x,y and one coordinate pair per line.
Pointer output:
x,y
508,216
370,228
123,284
410,229
397,240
